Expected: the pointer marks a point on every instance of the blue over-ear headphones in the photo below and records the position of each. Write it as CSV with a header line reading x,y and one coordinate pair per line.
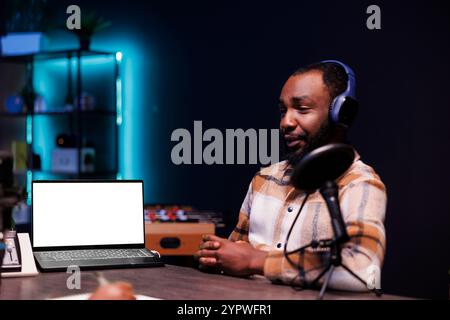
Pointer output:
x,y
344,108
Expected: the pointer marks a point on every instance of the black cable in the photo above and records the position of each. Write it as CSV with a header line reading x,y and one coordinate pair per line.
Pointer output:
x,y
286,254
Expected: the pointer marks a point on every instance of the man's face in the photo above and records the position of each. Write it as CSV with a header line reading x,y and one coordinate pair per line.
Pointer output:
x,y
304,105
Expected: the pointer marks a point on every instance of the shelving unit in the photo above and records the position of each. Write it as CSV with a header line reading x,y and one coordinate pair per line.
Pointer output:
x,y
78,119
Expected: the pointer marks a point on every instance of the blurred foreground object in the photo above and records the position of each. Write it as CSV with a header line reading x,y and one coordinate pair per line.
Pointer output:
x,y
114,291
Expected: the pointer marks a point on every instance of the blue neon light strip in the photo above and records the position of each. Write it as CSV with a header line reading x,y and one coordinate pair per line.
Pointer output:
x,y
29,180
119,118
29,129
119,101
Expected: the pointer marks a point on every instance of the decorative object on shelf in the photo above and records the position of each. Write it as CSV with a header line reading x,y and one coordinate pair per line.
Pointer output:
x,y
21,213
23,158
21,43
64,140
20,155
87,102
21,103
40,104
65,160
14,104
88,160
90,24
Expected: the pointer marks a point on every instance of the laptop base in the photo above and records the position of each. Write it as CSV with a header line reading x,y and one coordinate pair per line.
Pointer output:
x,y
97,264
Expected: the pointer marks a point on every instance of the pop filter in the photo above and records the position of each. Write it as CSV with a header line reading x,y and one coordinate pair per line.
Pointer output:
x,y
323,164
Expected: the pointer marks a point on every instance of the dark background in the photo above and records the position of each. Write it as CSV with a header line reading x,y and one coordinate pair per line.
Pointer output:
x,y
225,62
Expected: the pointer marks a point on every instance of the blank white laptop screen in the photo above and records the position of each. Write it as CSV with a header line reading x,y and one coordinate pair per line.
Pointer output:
x,y
87,213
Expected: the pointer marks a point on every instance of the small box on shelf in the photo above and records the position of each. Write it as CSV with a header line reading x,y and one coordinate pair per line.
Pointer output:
x,y
20,155
22,43
65,160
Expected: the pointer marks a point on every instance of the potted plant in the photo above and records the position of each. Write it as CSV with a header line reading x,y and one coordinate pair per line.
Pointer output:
x,y
90,24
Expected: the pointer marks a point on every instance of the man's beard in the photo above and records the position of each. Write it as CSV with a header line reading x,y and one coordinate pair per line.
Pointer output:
x,y
322,137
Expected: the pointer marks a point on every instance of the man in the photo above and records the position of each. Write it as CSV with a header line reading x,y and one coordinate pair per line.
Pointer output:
x,y
269,208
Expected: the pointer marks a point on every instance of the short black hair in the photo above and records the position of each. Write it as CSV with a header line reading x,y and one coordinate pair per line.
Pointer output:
x,y
333,75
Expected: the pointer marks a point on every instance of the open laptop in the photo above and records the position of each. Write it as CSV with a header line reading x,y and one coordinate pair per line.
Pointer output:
x,y
89,224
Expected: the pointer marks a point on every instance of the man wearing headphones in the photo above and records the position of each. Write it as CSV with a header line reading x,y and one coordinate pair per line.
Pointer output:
x,y
317,105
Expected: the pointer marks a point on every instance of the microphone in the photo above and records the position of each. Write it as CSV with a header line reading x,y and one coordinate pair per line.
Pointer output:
x,y
318,170
329,192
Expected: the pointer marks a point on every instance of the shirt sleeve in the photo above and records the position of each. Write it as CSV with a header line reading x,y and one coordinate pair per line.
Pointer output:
x,y
363,205
240,232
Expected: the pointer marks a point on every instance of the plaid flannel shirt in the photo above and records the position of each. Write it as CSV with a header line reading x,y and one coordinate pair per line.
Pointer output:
x,y
271,205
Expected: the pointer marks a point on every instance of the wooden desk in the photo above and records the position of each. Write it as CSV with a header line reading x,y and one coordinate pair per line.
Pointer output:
x,y
169,282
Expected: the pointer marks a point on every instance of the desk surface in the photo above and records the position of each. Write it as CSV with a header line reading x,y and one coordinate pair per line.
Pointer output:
x,y
169,282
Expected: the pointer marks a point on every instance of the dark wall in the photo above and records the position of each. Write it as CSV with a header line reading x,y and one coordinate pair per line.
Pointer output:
x,y
224,63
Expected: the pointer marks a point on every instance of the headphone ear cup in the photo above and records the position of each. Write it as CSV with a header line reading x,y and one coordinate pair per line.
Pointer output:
x,y
335,108
348,111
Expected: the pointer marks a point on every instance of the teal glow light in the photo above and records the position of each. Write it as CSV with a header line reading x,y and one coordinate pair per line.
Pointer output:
x,y
29,180
119,101
118,56
132,100
119,91
29,129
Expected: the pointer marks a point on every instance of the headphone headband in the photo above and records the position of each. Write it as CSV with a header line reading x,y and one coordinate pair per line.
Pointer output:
x,y
344,107
351,82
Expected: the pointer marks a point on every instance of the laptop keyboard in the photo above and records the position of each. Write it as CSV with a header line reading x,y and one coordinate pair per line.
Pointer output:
x,y
98,254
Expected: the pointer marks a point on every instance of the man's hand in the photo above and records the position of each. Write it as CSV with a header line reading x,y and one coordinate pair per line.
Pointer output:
x,y
235,258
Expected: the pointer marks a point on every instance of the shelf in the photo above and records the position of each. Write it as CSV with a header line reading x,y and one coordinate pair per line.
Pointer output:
x,y
96,173
48,55
58,113
78,175
81,123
